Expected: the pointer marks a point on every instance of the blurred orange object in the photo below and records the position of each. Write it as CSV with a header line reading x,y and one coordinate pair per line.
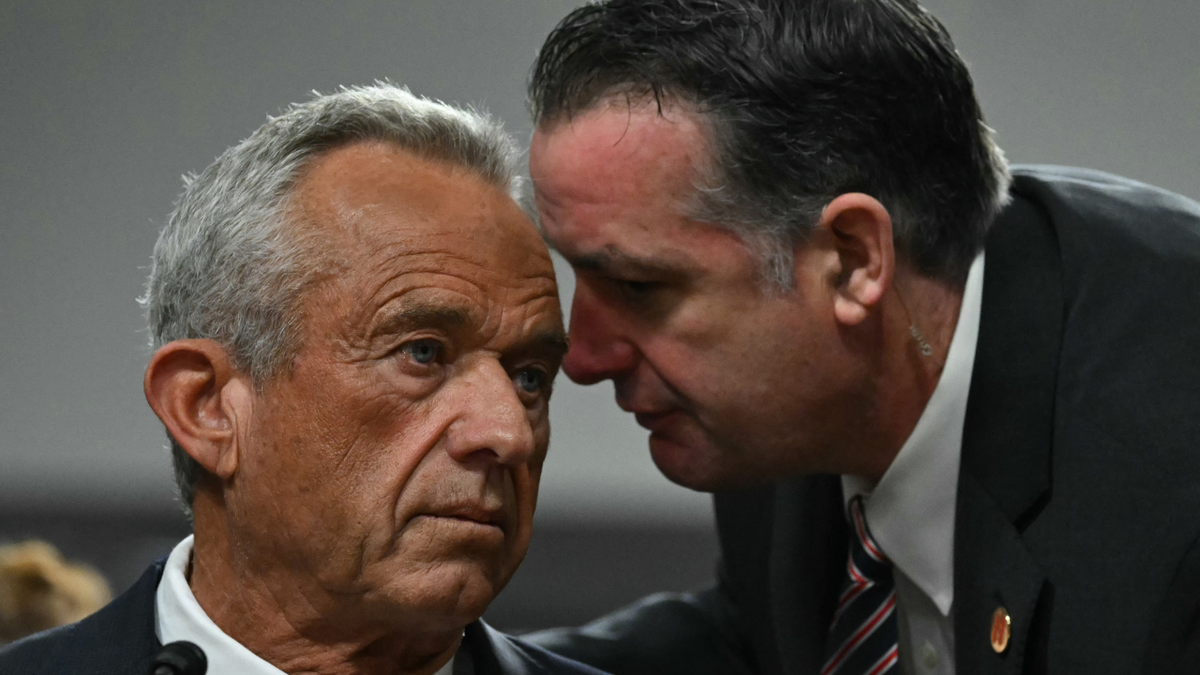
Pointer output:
x,y
40,590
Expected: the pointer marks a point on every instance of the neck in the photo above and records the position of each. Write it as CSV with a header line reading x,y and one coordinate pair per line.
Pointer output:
x,y
918,318
289,621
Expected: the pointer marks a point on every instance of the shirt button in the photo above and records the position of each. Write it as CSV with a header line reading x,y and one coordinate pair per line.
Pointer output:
x,y
929,656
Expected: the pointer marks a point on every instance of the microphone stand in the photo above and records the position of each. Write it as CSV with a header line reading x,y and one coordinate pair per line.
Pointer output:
x,y
179,658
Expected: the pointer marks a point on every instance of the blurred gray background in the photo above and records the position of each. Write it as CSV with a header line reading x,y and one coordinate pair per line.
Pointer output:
x,y
105,104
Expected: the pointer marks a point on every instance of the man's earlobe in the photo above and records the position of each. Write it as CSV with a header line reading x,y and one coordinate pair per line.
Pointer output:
x,y
201,399
861,230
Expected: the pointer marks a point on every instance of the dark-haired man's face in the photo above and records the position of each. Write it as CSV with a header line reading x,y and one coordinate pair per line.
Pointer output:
x,y
736,384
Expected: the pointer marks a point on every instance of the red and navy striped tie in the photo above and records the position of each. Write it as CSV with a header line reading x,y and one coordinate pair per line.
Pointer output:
x,y
863,639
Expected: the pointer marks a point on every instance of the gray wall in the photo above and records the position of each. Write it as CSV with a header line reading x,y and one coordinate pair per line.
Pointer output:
x,y
105,104
1107,84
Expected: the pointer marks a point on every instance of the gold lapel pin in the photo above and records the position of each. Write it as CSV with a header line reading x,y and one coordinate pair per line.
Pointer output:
x,y
1001,629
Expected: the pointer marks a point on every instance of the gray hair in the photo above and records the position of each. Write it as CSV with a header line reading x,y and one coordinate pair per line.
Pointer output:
x,y
227,268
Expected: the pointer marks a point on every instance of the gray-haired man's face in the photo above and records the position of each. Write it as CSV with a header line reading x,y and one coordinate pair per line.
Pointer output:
x,y
398,463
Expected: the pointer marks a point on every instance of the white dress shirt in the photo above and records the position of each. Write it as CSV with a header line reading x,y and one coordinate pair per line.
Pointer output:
x,y
177,616
910,513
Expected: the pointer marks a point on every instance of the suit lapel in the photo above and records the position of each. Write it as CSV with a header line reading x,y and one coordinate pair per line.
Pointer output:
x,y
807,561
994,571
486,651
1007,439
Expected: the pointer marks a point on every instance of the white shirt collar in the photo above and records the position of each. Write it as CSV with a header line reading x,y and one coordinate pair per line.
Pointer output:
x,y
911,511
177,616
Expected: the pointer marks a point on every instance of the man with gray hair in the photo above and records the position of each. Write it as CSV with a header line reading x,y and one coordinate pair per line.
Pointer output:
x,y
356,331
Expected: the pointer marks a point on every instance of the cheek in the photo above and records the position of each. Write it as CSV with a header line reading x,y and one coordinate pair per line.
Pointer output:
x,y
367,417
695,373
340,459
388,452
522,483
724,367
527,477
706,334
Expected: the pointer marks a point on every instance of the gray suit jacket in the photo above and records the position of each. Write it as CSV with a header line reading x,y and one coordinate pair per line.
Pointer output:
x,y
120,640
1079,487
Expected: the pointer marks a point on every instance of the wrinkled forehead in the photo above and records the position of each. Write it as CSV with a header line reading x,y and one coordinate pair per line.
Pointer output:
x,y
392,223
342,186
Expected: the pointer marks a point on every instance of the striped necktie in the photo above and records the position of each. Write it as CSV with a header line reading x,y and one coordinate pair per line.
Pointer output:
x,y
862,636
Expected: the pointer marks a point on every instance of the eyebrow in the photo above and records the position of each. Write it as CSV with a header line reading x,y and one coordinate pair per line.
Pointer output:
x,y
552,341
611,260
422,316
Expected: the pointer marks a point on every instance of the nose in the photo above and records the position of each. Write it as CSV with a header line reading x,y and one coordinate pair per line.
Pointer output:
x,y
599,349
492,421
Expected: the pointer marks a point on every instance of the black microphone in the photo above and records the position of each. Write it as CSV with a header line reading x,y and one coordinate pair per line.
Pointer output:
x,y
179,658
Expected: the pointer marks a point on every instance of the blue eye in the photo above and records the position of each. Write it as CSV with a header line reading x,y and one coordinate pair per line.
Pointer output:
x,y
530,380
423,352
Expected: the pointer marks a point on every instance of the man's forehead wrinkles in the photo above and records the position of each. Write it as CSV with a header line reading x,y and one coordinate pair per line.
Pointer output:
x,y
535,329
405,267
447,245
429,297
383,250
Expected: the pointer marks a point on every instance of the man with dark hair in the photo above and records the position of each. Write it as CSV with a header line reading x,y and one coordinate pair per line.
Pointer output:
x,y
948,410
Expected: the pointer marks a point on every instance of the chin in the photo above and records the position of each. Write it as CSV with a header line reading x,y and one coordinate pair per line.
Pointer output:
x,y
448,571
447,595
467,600
686,465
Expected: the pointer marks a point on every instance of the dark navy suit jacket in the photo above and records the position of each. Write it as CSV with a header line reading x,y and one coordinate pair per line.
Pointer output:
x,y
120,640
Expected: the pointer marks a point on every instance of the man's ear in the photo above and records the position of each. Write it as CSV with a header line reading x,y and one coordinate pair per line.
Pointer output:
x,y
861,230
202,399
